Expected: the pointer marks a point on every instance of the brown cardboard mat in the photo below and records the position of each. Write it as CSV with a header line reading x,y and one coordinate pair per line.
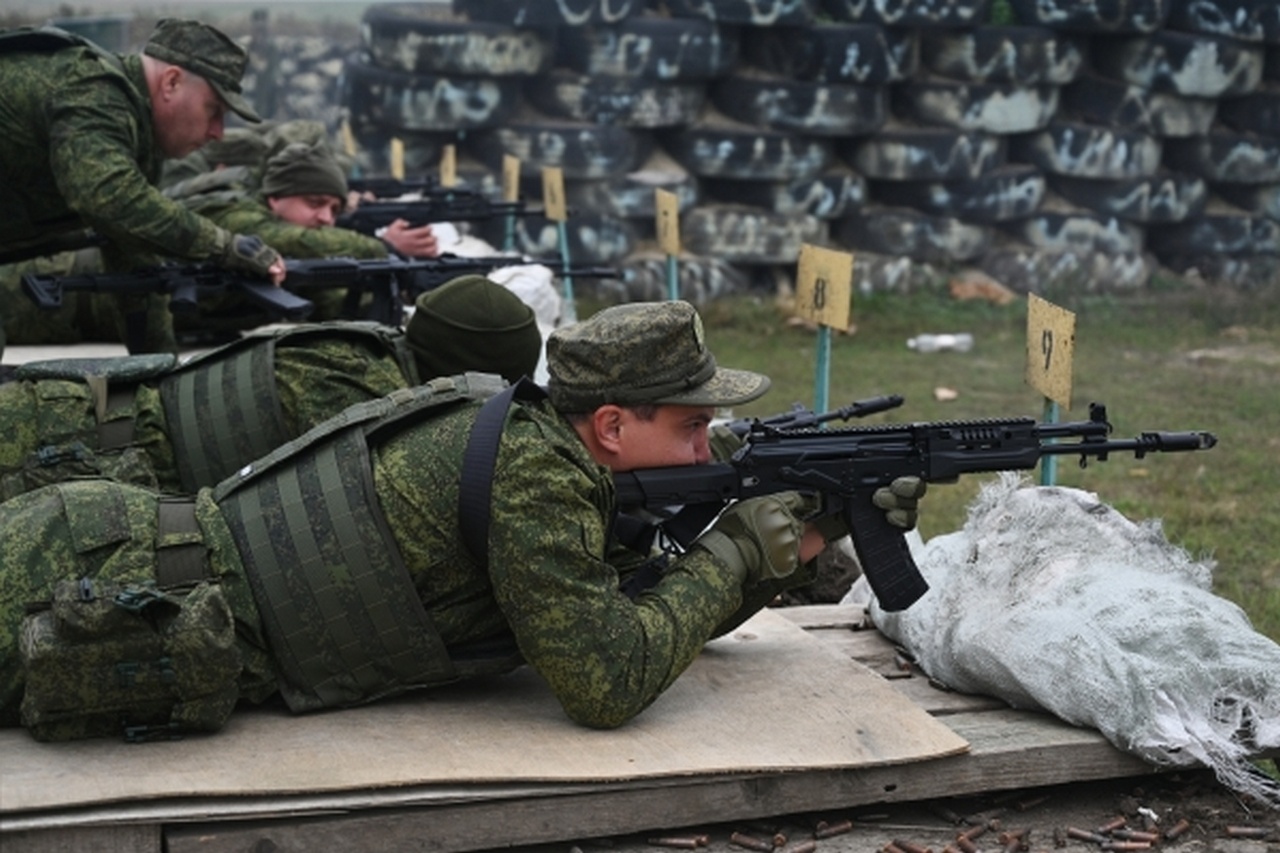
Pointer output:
x,y
768,698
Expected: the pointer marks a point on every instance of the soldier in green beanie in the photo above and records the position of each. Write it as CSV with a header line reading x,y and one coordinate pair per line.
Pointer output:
x,y
144,420
83,133
430,536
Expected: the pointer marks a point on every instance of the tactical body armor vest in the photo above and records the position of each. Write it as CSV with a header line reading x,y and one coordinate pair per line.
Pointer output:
x,y
339,608
223,409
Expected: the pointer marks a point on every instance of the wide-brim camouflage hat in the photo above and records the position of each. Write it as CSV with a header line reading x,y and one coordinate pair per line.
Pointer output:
x,y
203,50
642,353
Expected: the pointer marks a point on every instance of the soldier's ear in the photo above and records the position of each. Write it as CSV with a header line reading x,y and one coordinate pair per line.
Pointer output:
x,y
606,423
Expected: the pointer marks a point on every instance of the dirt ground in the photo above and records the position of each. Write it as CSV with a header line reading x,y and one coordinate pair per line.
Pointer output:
x,y
1031,819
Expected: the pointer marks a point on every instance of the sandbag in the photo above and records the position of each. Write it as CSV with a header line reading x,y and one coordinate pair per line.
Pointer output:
x,y
1050,599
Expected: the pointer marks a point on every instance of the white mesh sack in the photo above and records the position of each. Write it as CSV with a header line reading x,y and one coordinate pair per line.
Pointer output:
x,y
1048,598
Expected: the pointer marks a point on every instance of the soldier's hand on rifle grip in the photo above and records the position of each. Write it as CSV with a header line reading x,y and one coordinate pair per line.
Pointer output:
x,y
761,538
900,501
247,253
411,242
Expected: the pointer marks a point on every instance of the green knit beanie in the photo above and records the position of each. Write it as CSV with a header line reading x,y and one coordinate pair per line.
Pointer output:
x,y
471,323
301,169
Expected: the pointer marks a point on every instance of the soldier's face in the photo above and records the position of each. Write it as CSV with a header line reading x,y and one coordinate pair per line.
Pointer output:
x,y
309,211
188,113
676,435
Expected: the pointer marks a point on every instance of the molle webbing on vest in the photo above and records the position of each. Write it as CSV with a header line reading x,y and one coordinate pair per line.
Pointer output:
x,y
344,621
341,614
223,412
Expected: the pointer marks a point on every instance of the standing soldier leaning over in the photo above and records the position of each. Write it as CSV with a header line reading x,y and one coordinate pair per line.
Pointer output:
x,y
145,421
83,133
413,541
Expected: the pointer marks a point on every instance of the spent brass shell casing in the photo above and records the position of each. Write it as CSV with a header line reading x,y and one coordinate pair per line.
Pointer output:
x,y
803,847
1134,835
689,843
840,827
1177,829
910,846
966,845
1085,835
1248,831
751,842
1113,824
1126,845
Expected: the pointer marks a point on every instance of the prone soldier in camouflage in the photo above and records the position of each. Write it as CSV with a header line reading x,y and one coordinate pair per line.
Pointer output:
x,y
368,587
144,420
83,133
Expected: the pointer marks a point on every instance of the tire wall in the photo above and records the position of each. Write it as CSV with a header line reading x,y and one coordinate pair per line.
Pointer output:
x,y
1045,142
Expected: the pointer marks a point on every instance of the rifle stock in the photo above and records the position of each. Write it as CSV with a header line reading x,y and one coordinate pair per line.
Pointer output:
x,y
183,283
846,466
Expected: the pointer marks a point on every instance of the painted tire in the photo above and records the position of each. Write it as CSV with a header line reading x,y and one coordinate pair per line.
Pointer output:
x,y
1030,270
717,148
1256,200
580,149
865,54
746,235
1227,158
1246,20
1163,197
1027,56
923,154
832,194
1184,63
910,13
632,196
754,13
1100,16
592,237
911,234
1256,112
419,38
625,101
1114,103
819,109
551,13
1088,151
1230,234
986,107
425,102
1009,192
1078,231
652,48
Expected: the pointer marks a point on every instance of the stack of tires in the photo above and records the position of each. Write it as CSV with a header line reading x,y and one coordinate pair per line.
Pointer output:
x,y
1072,142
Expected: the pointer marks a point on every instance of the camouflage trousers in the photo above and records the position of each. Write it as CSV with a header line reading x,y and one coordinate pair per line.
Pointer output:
x,y
109,531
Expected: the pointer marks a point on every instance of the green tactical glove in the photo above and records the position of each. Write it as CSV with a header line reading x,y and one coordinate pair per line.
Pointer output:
x,y
900,499
724,442
759,538
247,253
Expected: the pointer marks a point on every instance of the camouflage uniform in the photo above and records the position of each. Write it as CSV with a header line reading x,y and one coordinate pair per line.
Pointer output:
x,y
78,149
53,425
550,580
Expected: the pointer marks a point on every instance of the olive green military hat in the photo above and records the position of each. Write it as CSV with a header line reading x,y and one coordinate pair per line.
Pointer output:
x,y
203,50
302,169
471,323
638,353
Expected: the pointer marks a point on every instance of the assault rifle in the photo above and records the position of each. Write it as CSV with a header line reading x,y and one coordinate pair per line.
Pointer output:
x,y
183,282
451,206
394,282
845,466
801,417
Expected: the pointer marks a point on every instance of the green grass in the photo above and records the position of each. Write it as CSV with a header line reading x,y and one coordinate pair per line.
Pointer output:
x,y
1177,360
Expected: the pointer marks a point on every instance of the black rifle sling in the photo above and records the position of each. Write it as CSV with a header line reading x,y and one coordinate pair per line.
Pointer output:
x,y
475,492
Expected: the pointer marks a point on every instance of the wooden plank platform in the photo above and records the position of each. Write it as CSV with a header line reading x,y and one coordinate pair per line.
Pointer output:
x,y
1009,750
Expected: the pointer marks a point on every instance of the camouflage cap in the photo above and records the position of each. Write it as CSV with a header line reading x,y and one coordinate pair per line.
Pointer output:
x,y
203,50
472,323
638,353
302,169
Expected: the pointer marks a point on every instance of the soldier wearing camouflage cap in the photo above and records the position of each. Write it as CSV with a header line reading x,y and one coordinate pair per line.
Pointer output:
x,y
407,586
83,133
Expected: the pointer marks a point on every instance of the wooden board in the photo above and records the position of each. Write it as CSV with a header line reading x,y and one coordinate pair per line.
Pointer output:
x,y
768,698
